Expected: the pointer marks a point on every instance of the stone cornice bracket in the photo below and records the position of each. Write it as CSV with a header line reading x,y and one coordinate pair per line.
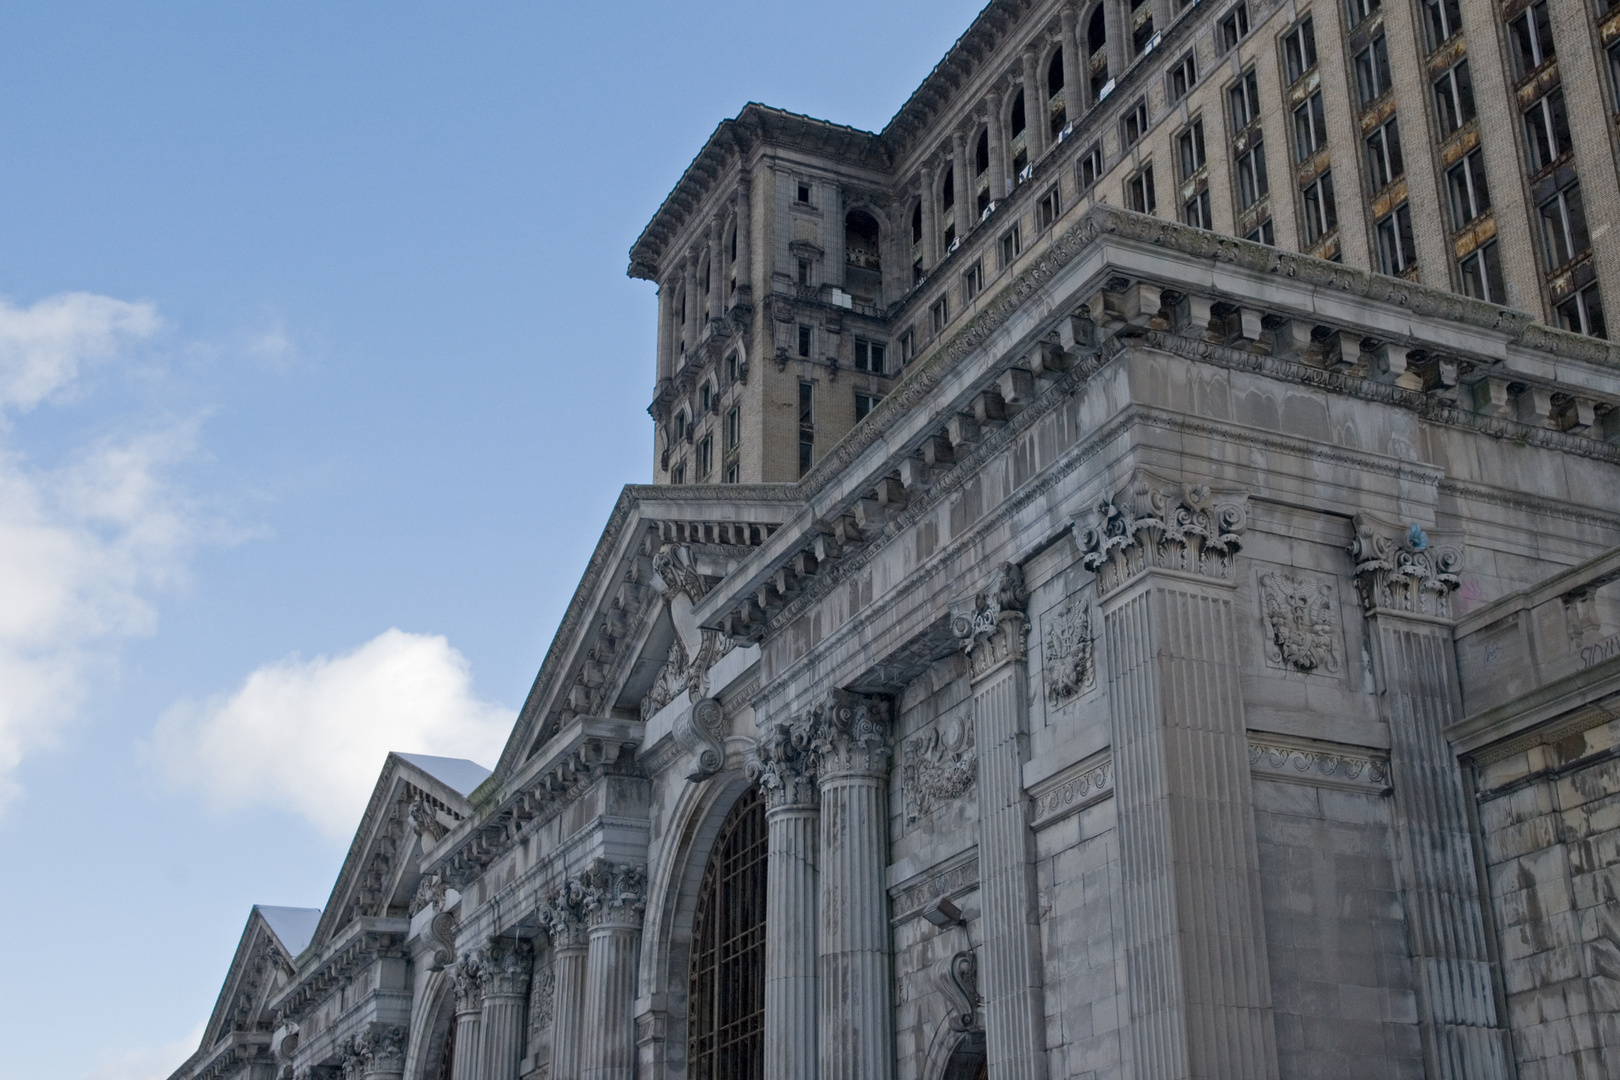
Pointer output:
x,y
1157,524
850,735
614,894
563,916
1400,570
701,732
785,767
996,630
958,979
506,967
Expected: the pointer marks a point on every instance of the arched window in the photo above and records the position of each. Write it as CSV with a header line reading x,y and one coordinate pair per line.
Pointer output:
x,y
1054,93
1097,32
726,1039
981,153
916,224
1020,140
1097,47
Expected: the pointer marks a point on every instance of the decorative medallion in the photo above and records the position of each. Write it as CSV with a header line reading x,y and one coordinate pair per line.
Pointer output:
x,y
1069,664
938,767
1300,618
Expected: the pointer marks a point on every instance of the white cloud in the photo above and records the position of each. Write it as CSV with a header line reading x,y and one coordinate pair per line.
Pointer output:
x,y
150,1062
310,735
82,544
43,346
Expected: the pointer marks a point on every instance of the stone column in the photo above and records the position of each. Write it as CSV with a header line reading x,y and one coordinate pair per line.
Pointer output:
x,y
615,896
1010,963
1195,944
1117,25
1035,116
964,186
564,919
1405,583
930,219
717,267
851,738
787,779
1074,80
694,307
506,985
998,143
467,976
745,235
665,337
378,1053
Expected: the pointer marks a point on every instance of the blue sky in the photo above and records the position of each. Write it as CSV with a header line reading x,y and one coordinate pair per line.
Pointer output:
x,y
319,373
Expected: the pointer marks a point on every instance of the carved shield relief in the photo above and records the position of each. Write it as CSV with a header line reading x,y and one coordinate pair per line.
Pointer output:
x,y
1068,649
1299,614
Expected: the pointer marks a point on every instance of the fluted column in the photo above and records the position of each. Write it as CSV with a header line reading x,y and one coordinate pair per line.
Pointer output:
x,y
615,896
717,267
1035,116
693,305
744,235
563,916
1073,81
850,735
997,127
1117,25
665,367
786,777
964,186
1199,982
467,976
1010,964
1405,585
506,985
930,219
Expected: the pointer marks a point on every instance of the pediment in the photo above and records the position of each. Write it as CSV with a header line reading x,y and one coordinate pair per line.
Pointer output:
x,y
262,965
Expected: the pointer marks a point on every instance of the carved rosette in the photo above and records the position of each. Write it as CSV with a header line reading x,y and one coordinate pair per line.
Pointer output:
x,y
1299,615
1399,570
467,975
1070,666
941,766
614,894
786,767
850,736
563,916
996,630
1154,524
506,966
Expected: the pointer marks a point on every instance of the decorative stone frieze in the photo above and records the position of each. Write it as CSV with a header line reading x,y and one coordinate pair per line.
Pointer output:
x,y
1073,789
995,631
613,893
956,878
1157,524
1068,653
1399,570
542,1001
1300,618
1319,765
937,767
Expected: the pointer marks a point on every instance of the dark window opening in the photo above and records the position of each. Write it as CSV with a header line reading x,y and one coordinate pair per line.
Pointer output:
x,y
1139,193
1232,28
1372,71
1097,32
864,404
1397,250
727,986
804,192
807,418
1546,125
981,154
1017,121
1465,182
1583,313
1454,98
1441,21
804,271
1531,37
1482,274
916,224
804,340
1299,50
863,247
869,356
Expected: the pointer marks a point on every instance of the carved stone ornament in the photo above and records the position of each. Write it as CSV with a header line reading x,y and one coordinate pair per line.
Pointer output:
x,y
938,767
467,975
563,916
693,650
850,734
701,733
995,631
614,893
1300,619
1398,569
1068,657
379,1049
959,980
673,563
1155,524
785,766
506,967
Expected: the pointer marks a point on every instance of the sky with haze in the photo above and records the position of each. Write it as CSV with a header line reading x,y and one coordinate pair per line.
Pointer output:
x,y
319,375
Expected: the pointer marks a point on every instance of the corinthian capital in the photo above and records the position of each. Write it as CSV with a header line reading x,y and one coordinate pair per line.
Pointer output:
x,y
1157,524
614,893
786,767
467,974
996,630
850,735
506,968
1399,569
563,916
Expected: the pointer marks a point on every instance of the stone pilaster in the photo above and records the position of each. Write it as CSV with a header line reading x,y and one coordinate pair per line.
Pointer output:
x,y
467,976
1034,107
787,779
1073,81
506,967
1117,27
615,895
850,736
930,218
1405,584
1198,974
563,916
1010,970
963,185
995,104
745,235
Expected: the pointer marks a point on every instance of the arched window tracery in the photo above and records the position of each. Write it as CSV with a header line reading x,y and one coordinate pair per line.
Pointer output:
x,y
726,1014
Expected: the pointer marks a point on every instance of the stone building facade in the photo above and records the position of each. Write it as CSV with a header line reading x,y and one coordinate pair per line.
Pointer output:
x,y
1167,655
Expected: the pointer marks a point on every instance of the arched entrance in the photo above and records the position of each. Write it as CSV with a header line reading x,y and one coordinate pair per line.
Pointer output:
x,y
726,1017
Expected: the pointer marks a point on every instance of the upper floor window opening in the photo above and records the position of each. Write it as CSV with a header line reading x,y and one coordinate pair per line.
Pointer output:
x,y
1089,168
869,356
1012,245
1182,77
1546,129
1263,233
1358,11
1139,191
1048,209
908,345
731,258
805,268
705,397
1232,28
1196,210
1056,109
947,203
1321,211
864,404
1097,49
705,456
677,475
1251,174
807,415
734,427
1563,226
1134,124
940,313
1481,273
681,426
1190,148
804,341
972,281
1397,248
1017,122
1372,71
1614,73
1243,100
803,192
1384,162
1310,127
733,367
1531,38
1583,312
1142,36
1299,49
981,154
1442,21
1454,98
863,243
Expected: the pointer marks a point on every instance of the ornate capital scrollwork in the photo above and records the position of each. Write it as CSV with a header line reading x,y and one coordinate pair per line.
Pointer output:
x,y
1154,524
467,975
506,967
1398,569
701,733
850,735
614,894
996,630
563,916
380,1049
786,767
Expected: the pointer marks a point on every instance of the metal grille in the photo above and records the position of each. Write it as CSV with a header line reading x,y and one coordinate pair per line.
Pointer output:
x,y
727,1013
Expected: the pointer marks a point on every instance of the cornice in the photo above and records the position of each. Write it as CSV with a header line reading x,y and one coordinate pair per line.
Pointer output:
x,y
361,942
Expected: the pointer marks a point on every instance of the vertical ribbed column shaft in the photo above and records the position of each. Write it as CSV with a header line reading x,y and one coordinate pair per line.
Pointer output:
x,y
930,219
567,1018
857,1041
1010,966
1073,81
693,304
469,1022
502,1035
1117,27
610,996
1200,994
1034,107
997,123
717,263
665,334
963,187
1444,916
791,1034
745,234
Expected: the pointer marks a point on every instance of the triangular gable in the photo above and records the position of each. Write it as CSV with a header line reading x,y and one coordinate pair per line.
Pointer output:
x,y
460,774
294,927
263,961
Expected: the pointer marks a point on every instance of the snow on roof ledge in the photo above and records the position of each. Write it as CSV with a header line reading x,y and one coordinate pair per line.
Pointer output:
x,y
294,927
458,773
